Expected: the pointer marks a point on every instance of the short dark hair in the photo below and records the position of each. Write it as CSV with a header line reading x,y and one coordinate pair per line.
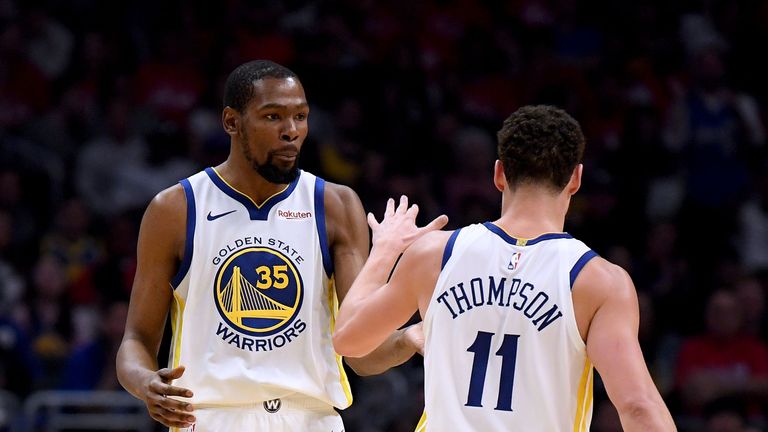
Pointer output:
x,y
540,144
238,90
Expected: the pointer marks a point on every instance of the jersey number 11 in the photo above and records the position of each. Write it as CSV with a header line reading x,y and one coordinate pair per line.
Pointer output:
x,y
482,349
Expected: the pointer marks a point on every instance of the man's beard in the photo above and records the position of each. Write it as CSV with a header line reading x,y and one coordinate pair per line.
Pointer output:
x,y
271,172
275,174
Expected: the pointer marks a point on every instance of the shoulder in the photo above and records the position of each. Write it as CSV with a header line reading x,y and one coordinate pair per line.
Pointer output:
x,y
599,272
425,254
601,280
165,222
431,244
167,212
344,215
342,205
419,268
169,202
337,195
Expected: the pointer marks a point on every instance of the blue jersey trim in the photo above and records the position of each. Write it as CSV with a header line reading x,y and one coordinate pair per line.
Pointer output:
x,y
588,255
254,212
190,238
524,242
449,248
320,221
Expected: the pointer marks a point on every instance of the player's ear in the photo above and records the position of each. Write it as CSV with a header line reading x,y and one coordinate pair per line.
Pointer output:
x,y
499,179
230,119
575,182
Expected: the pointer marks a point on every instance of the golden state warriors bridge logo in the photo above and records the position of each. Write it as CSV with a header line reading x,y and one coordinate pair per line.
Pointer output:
x,y
258,292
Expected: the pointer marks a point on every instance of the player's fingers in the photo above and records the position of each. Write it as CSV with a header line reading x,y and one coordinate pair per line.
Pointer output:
x,y
372,222
172,409
390,208
403,207
172,419
161,388
170,390
168,374
413,211
436,224
175,405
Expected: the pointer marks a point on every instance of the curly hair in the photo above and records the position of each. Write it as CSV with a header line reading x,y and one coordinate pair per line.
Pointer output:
x,y
540,144
238,90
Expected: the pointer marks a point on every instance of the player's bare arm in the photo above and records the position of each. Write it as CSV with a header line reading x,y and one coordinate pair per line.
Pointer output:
x,y
607,314
373,307
348,238
160,248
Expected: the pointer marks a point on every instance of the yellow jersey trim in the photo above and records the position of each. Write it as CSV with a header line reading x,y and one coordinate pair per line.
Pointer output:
x,y
422,425
258,206
522,241
584,398
333,303
177,319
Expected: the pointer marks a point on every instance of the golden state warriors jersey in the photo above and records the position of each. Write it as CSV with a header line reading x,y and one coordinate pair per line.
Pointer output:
x,y
503,351
254,303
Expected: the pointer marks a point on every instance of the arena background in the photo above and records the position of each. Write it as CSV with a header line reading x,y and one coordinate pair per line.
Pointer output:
x,y
103,104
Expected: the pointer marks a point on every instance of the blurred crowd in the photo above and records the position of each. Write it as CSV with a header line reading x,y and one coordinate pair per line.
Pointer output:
x,y
103,104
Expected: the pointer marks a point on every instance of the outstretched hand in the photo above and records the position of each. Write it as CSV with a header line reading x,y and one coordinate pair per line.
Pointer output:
x,y
169,411
398,229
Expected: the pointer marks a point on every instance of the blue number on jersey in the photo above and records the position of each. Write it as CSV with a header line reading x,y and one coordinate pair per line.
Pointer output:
x,y
482,349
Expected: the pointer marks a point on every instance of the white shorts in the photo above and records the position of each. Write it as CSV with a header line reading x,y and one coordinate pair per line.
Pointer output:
x,y
279,415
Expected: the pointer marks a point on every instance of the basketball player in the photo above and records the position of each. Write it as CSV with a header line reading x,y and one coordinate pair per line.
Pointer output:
x,y
251,258
516,311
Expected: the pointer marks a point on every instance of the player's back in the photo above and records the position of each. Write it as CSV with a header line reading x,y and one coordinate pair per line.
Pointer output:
x,y
503,351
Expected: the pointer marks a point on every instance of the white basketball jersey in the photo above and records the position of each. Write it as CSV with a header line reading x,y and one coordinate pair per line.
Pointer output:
x,y
503,351
254,306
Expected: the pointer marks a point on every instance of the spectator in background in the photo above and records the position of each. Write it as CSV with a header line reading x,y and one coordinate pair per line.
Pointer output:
x,y
24,217
468,196
78,251
113,275
47,320
91,366
727,415
723,361
714,128
49,43
752,235
751,296
105,161
169,84
11,283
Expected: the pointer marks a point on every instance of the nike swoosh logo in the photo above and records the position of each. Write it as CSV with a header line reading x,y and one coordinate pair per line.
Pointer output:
x,y
211,217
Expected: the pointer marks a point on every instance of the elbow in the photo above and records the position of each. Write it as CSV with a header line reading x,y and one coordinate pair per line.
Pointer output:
x,y
642,411
340,344
349,342
635,407
344,344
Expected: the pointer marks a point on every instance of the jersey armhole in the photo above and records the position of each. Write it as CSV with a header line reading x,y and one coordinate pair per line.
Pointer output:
x,y
580,263
320,221
190,235
448,251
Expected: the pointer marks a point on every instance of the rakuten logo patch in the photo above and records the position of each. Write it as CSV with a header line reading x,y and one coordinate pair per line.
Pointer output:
x,y
291,214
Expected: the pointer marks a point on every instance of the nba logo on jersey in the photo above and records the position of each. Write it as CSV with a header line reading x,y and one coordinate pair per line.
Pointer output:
x,y
514,261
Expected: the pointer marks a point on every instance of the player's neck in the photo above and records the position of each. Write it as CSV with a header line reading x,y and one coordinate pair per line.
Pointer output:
x,y
528,212
241,176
